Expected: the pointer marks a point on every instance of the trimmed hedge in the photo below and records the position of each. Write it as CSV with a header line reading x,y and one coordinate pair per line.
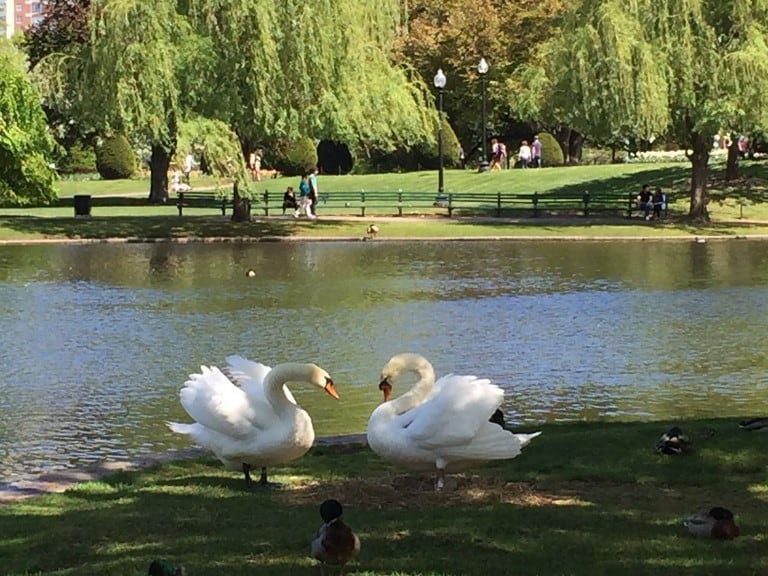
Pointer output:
x,y
551,152
294,157
115,159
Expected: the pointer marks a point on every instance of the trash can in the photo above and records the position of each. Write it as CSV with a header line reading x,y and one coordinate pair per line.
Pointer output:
x,y
83,205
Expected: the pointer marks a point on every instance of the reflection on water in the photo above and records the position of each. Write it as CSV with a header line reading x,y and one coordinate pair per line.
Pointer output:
x,y
97,340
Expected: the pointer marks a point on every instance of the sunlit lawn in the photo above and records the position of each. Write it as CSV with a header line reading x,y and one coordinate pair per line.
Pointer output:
x,y
582,499
732,207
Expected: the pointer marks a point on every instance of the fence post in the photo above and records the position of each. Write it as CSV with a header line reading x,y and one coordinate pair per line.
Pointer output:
x,y
585,199
265,199
535,204
450,204
498,204
400,203
631,204
362,203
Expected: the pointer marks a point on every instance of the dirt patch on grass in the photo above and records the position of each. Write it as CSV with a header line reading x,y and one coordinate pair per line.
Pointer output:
x,y
417,491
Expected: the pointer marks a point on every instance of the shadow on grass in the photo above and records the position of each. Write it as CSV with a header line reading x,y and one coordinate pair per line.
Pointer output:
x,y
158,227
582,499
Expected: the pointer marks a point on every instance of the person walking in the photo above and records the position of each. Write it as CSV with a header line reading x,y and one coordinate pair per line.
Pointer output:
x,y
536,150
305,203
524,156
313,194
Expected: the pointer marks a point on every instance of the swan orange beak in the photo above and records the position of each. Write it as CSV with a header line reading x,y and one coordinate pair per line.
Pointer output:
x,y
331,389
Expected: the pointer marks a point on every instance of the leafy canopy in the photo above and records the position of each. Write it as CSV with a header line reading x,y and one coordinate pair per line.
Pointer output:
x,y
25,177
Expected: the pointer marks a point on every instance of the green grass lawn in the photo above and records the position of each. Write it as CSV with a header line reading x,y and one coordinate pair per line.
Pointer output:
x,y
582,499
734,207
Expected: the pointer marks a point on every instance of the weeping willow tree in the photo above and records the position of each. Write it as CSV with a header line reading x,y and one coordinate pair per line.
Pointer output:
x,y
649,68
128,76
292,68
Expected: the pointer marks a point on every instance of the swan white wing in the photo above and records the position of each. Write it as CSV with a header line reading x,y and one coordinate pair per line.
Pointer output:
x,y
250,376
215,402
455,414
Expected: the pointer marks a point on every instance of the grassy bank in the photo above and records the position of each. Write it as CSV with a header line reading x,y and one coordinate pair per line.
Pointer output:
x,y
582,499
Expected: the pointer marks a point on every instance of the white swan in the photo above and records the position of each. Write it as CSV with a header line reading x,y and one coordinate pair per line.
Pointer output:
x,y
439,425
255,424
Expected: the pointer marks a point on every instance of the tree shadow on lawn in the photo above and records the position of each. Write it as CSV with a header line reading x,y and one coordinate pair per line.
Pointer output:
x,y
152,227
565,506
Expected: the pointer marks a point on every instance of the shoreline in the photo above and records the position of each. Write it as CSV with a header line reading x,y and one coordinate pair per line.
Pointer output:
x,y
58,481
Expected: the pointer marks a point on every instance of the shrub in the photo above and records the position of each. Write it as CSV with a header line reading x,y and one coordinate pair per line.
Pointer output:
x,y
294,157
551,152
78,159
115,159
423,156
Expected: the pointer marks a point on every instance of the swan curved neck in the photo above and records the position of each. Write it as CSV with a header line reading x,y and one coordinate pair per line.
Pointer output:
x,y
278,377
419,391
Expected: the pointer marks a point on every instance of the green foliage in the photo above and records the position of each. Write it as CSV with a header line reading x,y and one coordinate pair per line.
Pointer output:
x,y
294,157
79,158
425,155
551,152
25,177
306,74
217,144
115,159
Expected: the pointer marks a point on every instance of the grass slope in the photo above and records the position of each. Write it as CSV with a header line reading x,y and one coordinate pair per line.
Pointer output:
x,y
583,499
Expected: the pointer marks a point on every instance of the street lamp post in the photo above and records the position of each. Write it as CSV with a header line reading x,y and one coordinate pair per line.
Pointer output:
x,y
482,69
440,84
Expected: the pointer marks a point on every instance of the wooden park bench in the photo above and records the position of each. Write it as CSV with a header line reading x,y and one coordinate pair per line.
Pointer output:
x,y
201,199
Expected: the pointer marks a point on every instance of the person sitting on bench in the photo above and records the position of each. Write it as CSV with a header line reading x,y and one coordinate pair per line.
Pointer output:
x,y
659,202
644,201
289,199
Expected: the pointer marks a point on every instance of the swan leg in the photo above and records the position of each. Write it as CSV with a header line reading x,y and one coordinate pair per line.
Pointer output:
x,y
264,483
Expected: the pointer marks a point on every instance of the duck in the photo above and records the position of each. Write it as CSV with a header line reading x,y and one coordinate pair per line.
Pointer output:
x,y
755,424
334,543
248,417
439,425
717,523
674,442
372,230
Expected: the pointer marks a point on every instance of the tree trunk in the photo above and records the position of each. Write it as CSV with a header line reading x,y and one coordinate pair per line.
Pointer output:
x,y
732,167
575,146
699,158
241,206
159,164
563,137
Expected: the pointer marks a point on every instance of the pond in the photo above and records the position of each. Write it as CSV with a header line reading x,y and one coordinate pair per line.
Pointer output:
x,y
97,340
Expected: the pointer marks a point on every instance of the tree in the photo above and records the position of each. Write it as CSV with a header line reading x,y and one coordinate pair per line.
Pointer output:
x,y
649,68
455,34
25,177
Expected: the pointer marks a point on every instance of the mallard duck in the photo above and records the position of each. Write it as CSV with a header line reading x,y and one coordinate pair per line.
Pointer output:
x,y
716,523
441,425
162,568
334,543
255,424
755,424
673,442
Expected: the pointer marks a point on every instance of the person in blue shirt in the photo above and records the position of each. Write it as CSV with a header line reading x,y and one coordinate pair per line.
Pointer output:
x,y
305,202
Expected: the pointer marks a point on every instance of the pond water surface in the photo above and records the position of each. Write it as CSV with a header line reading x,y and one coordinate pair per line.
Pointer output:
x,y
96,340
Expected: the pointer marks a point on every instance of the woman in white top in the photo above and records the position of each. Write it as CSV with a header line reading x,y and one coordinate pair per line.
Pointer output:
x,y
524,156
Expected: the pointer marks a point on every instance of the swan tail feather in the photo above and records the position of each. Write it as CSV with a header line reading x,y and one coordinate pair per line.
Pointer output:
x,y
525,439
